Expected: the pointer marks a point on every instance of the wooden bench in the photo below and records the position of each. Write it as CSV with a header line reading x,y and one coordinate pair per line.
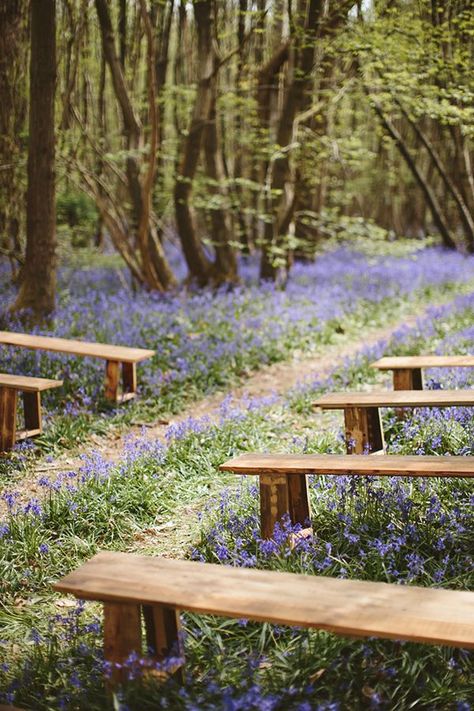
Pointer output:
x,y
31,388
131,585
407,370
115,356
362,414
283,477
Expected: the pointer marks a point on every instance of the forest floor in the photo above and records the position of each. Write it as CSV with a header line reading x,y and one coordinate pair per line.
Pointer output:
x,y
146,481
275,379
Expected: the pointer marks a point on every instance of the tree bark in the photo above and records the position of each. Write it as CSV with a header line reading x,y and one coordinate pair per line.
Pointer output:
x,y
280,195
199,265
155,271
430,197
463,210
13,42
225,267
38,287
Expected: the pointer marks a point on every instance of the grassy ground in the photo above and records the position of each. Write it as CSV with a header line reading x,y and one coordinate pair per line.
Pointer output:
x,y
212,340
171,500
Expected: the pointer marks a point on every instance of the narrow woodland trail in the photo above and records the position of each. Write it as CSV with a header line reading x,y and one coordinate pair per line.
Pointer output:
x,y
277,379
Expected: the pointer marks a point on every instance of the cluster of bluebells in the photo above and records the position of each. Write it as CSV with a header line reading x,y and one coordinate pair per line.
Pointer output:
x,y
388,530
391,530
201,338
408,340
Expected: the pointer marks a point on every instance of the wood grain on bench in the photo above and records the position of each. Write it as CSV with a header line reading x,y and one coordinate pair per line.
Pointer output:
x,y
397,398
284,486
391,465
31,389
347,607
407,370
123,354
424,361
363,425
116,357
27,383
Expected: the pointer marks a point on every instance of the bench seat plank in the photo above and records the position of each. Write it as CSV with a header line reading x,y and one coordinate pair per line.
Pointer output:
x,y
348,607
390,465
425,361
27,383
122,354
396,398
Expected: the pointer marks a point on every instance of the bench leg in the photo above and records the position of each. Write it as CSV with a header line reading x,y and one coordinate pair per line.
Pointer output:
x,y
8,403
163,634
112,379
129,380
32,410
122,636
300,511
274,502
408,379
364,432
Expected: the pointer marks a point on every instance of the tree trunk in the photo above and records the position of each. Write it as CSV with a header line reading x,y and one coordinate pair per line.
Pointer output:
x,y
122,31
280,195
463,210
238,160
155,271
225,267
430,197
161,19
198,264
13,42
38,287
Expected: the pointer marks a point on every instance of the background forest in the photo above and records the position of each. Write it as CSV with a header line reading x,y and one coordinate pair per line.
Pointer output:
x,y
230,127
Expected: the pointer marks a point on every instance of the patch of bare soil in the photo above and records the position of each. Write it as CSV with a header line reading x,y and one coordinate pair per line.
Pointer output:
x,y
277,378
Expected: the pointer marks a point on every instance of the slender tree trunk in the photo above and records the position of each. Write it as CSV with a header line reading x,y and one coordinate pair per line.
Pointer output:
x,y
161,19
38,287
238,161
198,264
463,210
225,268
155,270
13,41
281,195
122,31
430,197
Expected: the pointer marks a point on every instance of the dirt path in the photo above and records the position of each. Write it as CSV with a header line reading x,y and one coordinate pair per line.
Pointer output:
x,y
277,378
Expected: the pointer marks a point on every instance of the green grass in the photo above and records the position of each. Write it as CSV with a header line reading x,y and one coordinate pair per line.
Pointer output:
x,y
163,502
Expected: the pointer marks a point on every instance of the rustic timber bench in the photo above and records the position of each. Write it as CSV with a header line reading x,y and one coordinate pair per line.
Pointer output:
x,y
407,370
115,356
362,411
160,588
31,389
283,477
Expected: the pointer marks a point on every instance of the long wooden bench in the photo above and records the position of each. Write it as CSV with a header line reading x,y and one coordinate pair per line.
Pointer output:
x,y
408,370
131,585
362,411
31,389
283,477
115,357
